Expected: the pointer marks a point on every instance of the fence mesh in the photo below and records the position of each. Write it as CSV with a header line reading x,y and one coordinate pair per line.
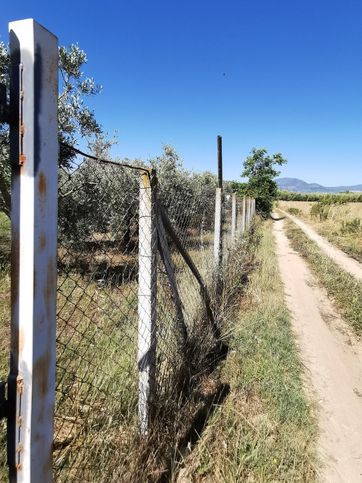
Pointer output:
x,y
96,428
97,322
193,221
96,395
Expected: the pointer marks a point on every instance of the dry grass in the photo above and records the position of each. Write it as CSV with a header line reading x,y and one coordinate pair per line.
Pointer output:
x,y
336,227
96,424
265,431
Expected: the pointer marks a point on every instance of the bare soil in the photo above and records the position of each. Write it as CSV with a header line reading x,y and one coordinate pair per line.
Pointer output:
x,y
333,359
344,261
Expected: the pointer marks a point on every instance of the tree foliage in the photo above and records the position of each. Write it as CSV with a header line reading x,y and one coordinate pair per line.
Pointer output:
x,y
188,197
259,168
75,118
103,200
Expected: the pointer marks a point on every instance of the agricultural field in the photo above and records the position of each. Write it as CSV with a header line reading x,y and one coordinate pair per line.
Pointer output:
x,y
340,223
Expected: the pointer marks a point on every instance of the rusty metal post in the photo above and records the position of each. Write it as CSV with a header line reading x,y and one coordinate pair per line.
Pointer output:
x,y
34,160
233,219
147,298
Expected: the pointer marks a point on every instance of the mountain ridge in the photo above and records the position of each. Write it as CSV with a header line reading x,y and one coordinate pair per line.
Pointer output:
x,y
299,186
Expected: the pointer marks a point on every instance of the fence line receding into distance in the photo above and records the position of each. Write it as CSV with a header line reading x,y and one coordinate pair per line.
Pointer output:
x,y
112,281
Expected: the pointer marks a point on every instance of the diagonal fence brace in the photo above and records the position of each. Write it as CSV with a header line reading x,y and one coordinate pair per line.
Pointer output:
x,y
170,271
203,289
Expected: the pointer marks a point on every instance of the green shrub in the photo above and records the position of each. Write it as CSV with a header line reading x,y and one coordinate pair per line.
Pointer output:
x,y
320,210
353,226
294,211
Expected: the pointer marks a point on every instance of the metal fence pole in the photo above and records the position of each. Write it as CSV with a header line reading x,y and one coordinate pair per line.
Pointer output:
x,y
233,218
34,160
147,295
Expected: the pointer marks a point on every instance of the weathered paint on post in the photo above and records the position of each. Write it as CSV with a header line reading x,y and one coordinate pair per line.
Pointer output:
x,y
233,218
147,294
218,229
34,160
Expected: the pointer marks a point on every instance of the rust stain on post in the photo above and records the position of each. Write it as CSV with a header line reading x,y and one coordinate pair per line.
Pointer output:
x,y
42,241
41,369
42,184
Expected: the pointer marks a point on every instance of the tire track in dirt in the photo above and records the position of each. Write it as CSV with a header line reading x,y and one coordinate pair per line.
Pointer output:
x,y
333,359
342,259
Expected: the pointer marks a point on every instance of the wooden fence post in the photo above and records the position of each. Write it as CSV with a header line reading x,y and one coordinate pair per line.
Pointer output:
x,y
147,298
34,160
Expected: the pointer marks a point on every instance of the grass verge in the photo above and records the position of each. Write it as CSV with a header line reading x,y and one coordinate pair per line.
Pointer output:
x,y
343,288
265,430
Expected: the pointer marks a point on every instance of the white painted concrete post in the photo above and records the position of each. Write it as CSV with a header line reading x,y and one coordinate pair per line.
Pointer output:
x,y
250,213
34,160
247,212
147,297
243,225
218,229
233,219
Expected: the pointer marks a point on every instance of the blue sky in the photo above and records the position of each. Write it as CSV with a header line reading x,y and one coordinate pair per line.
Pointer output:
x,y
280,74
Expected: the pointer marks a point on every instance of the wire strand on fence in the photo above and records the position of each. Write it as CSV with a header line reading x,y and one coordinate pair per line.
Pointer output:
x,y
105,161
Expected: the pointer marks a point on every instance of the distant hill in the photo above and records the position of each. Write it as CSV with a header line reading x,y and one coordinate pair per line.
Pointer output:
x,y
300,186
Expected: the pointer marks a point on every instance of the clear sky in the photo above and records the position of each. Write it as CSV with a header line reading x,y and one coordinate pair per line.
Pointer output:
x,y
280,74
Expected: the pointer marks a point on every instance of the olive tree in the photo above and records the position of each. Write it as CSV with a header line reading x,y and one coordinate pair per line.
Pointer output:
x,y
188,197
75,118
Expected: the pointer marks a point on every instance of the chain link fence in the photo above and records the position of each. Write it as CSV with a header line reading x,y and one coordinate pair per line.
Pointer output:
x,y
97,318
97,415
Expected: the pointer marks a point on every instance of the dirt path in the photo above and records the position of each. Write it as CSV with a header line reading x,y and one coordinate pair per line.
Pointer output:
x,y
333,359
347,263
